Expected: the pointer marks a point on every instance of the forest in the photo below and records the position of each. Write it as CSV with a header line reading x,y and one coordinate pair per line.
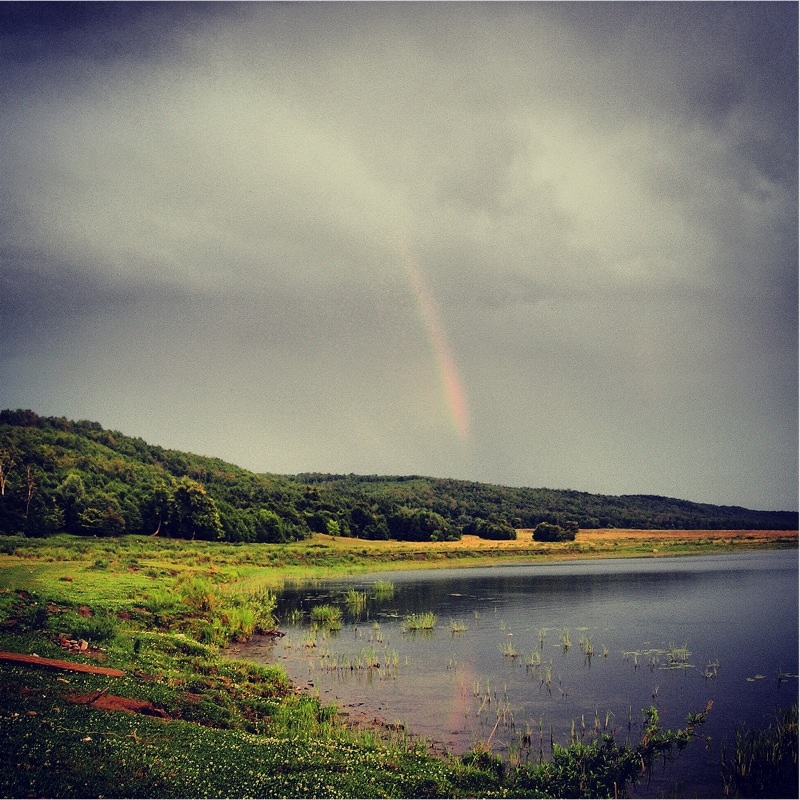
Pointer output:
x,y
58,475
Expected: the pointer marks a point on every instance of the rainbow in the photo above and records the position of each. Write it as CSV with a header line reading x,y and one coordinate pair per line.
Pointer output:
x,y
454,394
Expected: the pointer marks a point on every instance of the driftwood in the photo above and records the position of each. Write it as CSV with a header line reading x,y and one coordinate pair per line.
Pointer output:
x,y
54,663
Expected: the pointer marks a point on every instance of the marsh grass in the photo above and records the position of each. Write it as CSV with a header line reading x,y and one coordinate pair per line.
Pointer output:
x,y
763,763
508,649
383,590
159,601
534,659
425,621
367,660
377,632
295,616
356,601
326,616
457,626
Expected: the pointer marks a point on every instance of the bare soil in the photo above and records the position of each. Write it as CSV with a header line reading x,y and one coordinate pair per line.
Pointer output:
x,y
113,702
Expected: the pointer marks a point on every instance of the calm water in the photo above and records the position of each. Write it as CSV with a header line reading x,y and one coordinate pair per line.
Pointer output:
x,y
671,632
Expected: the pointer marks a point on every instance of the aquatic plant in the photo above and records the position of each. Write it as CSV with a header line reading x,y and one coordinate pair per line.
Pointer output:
x,y
295,616
601,767
326,616
712,669
356,601
424,621
383,590
678,655
377,632
533,660
457,626
508,649
763,763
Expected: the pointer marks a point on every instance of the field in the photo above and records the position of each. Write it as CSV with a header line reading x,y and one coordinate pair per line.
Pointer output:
x,y
183,720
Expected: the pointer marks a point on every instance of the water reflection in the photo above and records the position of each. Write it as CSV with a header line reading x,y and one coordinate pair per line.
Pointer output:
x,y
522,656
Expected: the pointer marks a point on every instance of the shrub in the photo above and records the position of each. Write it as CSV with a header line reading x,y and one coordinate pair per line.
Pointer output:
x,y
548,532
495,530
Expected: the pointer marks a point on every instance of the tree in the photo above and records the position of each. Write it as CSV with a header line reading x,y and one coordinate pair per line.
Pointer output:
x,y
496,530
367,523
548,532
418,525
157,508
267,526
101,515
194,514
71,496
8,459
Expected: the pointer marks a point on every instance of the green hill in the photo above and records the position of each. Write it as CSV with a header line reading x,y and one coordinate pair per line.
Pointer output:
x,y
59,475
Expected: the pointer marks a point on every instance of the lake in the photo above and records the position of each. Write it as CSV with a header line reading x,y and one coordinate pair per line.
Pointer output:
x,y
521,656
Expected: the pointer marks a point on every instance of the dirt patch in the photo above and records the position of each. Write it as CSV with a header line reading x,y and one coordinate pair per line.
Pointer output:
x,y
113,702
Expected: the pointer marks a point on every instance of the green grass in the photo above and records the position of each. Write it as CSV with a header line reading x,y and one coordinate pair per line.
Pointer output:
x,y
162,610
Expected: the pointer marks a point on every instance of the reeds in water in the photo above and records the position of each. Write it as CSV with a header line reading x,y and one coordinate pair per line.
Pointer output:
x,y
295,616
542,636
533,660
764,762
356,601
712,669
508,649
327,616
383,589
377,632
424,621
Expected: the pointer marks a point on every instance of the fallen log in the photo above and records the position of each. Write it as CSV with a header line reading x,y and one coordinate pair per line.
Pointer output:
x,y
55,663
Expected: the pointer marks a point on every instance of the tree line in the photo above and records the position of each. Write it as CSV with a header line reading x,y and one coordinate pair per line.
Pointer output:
x,y
59,475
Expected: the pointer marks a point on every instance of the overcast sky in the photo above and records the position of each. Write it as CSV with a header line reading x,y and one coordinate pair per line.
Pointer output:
x,y
536,244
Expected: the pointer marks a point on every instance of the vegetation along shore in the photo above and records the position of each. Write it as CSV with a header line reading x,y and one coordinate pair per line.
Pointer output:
x,y
95,571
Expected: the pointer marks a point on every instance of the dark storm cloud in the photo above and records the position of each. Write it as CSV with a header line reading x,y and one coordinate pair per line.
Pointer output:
x,y
215,217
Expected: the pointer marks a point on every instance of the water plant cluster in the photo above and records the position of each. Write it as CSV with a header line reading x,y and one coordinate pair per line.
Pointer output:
x,y
423,621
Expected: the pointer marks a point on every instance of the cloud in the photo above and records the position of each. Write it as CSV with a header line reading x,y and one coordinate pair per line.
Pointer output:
x,y
601,197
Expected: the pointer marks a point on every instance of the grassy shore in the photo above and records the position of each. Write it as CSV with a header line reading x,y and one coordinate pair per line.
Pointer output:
x,y
184,721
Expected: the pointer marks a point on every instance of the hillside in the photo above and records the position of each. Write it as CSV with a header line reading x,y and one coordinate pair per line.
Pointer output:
x,y
59,475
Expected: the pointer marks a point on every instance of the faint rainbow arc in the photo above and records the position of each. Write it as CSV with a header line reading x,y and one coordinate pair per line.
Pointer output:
x,y
455,396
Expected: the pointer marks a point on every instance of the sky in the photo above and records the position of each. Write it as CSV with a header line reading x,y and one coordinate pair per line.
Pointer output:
x,y
534,244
